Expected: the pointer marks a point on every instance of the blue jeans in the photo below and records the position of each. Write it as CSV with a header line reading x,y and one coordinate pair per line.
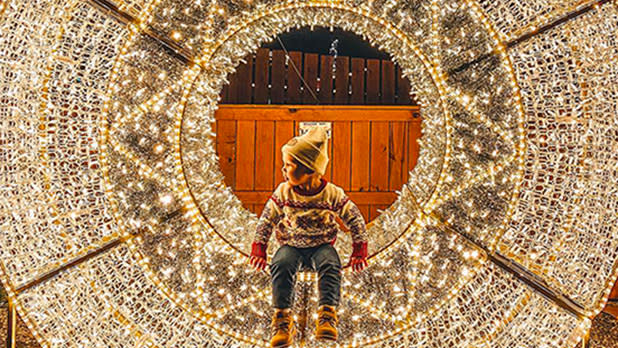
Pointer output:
x,y
286,263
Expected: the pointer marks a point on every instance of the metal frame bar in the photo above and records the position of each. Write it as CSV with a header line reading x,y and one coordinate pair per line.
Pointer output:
x,y
528,36
54,272
171,46
521,273
12,326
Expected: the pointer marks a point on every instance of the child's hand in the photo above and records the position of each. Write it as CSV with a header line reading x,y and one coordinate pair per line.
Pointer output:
x,y
259,263
358,263
358,259
258,256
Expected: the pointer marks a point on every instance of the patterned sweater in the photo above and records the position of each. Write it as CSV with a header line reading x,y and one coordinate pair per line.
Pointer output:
x,y
307,219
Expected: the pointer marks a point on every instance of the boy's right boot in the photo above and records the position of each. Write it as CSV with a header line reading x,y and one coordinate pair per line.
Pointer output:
x,y
283,328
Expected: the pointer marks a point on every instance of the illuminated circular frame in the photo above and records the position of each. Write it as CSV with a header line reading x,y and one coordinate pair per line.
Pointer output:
x,y
432,128
88,260
188,83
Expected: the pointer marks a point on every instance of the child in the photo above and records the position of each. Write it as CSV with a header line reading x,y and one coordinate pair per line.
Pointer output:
x,y
302,210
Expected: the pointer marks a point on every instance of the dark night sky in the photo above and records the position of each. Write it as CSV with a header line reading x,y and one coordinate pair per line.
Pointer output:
x,y
319,41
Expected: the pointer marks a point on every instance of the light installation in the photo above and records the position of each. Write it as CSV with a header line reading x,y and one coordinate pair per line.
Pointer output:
x,y
118,231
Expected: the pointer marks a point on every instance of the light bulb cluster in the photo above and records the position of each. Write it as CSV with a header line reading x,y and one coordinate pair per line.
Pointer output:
x,y
115,141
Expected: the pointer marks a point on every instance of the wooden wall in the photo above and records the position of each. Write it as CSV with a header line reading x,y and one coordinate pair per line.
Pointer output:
x,y
375,125
267,78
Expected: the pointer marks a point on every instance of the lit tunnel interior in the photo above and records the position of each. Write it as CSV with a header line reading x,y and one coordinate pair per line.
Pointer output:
x,y
117,229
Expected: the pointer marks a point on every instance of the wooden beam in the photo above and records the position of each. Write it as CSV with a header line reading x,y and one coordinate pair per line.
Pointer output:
x,y
245,112
359,198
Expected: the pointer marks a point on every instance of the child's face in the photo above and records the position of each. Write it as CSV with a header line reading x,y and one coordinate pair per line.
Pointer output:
x,y
290,172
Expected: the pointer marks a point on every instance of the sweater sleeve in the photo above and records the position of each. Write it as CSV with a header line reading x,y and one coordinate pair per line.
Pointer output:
x,y
353,219
271,215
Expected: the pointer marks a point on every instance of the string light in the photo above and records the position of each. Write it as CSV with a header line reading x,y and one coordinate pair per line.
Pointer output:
x,y
181,274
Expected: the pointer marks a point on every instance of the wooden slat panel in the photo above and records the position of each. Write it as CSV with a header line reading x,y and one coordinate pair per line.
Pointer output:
x,y
264,155
328,174
223,95
373,210
310,75
326,80
341,154
278,72
244,78
414,133
294,83
403,86
358,81
284,131
226,149
260,95
327,113
373,82
232,91
379,156
216,130
245,155
259,208
388,82
360,165
397,154
364,209
365,198
342,80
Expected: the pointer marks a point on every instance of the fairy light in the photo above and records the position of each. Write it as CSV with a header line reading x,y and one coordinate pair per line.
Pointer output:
x,y
155,151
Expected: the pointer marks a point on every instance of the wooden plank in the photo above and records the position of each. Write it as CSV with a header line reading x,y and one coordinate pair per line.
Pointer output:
x,y
388,82
329,167
342,66
310,75
260,91
360,164
364,209
277,76
284,131
379,156
326,80
372,86
232,89
258,209
216,130
413,146
264,155
245,155
363,198
373,209
244,78
397,173
357,82
223,95
403,88
341,154
294,82
315,113
226,147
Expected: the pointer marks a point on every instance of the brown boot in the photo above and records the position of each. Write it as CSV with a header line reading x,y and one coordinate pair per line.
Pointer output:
x,y
283,328
326,323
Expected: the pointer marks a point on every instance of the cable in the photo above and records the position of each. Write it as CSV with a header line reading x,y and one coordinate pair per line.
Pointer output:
x,y
298,72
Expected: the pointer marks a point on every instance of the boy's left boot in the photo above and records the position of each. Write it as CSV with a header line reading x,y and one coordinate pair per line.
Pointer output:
x,y
326,325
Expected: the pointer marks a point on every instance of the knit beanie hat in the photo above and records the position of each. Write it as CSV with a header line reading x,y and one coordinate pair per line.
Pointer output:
x,y
310,149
